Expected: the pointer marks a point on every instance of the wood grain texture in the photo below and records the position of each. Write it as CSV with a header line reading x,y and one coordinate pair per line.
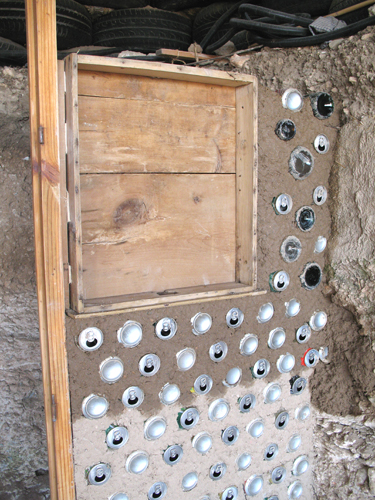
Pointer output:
x,y
245,184
196,295
145,233
163,70
122,135
138,124
118,86
73,182
63,179
42,65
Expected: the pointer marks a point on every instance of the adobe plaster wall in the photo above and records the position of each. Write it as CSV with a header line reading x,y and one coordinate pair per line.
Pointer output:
x,y
343,436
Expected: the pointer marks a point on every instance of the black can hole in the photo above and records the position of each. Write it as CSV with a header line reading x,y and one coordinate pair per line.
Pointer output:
x,y
229,497
302,337
174,458
149,369
133,401
302,167
218,354
118,440
285,130
100,479
165,333
217,474
157,495
247,406
281,424
313,275
233,321
269,454
321,147
230,438
325,105
91,343
280,285
203,387
261,371
189,421
306,219
284,208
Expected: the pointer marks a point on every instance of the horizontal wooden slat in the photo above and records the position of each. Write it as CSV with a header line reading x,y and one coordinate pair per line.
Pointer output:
x,y
163,70
151,232
200,295
93,83
137,136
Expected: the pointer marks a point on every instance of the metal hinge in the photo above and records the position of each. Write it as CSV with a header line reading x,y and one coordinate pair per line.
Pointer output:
x,y
53,408
41,135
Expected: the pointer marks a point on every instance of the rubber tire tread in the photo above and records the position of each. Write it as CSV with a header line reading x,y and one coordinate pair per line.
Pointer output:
x,y
313,7
115,4
12,53
351,17
174,5
242,40
6,44
143,30
73,23
206,18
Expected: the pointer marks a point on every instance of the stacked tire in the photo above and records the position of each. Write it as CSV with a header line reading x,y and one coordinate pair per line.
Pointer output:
x,y
73,23
143,30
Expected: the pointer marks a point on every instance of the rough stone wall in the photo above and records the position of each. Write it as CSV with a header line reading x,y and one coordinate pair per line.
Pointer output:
x,y
344,436
23,454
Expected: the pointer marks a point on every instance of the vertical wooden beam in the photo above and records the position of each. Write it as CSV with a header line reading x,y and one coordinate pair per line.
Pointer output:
x,y
42,63
73,183
246,183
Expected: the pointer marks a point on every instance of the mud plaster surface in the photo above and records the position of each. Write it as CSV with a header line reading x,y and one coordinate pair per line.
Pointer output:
x,y
89,446
344,445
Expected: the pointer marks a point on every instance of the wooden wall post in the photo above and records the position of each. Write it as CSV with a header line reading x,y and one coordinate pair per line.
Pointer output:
x,y
42,63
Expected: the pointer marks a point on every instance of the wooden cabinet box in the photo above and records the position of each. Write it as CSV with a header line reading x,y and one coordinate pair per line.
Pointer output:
x,y
161,179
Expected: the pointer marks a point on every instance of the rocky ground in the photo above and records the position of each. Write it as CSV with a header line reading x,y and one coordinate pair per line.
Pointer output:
x,y
343,391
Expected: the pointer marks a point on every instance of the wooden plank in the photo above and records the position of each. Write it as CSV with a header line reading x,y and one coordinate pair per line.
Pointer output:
x,y
137,136
100,308
246,164
119,86
183,55
163,70
63,178
353,8
42,66
75,239
147,232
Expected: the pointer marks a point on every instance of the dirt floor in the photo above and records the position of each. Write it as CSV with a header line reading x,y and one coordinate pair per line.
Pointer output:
x,y
343,391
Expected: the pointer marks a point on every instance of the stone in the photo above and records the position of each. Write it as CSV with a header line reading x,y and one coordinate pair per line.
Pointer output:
x,y
333,44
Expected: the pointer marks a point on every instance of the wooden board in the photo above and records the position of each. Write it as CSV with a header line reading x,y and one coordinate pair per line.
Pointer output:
x,y
162,172
42,67
136,87
246,183
122,135
155,232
